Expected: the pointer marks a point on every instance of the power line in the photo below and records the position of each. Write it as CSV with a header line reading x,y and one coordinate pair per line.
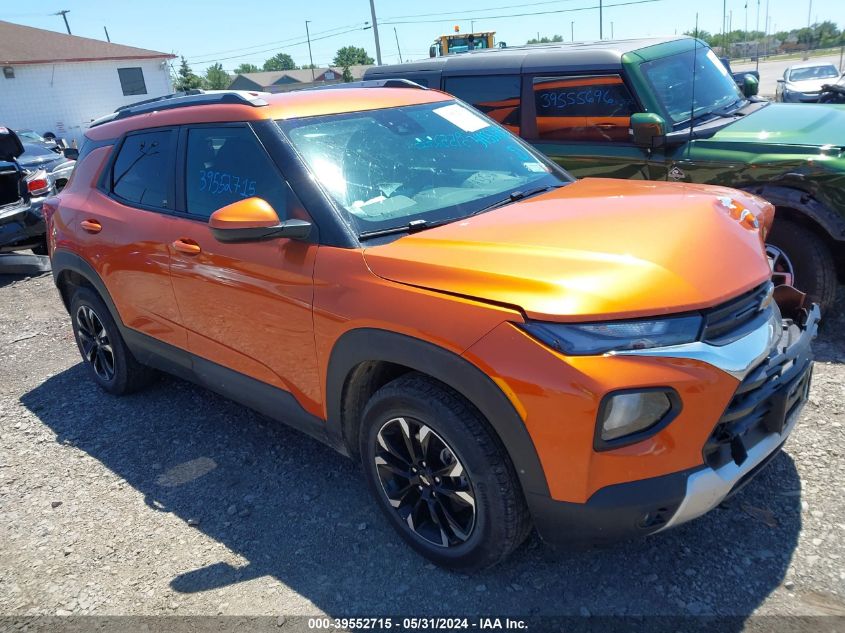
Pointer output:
x,y
246,49
275,48
508,6
519,15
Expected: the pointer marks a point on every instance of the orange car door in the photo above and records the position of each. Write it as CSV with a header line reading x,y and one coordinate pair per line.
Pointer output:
x,y
246,306
123,228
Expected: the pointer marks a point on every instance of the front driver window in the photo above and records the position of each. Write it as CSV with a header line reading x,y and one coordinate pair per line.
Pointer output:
x,y
594,108
227,164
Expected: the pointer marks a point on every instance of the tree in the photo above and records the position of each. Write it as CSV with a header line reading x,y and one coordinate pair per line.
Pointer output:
x,y
545,40
351,56
246,68
347,75
186,79
216,78
280,61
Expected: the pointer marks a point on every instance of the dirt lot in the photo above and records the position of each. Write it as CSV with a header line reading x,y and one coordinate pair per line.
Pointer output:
x,y
176,501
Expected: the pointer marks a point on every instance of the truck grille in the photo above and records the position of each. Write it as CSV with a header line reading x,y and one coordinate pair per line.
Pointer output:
x,y
763,402
734,319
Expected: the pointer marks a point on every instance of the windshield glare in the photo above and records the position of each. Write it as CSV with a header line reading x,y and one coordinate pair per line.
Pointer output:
x,y
437,161
813,72
671,79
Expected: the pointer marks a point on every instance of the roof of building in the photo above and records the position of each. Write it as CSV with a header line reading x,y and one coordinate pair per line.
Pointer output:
x,y
593,55
300,75
27,45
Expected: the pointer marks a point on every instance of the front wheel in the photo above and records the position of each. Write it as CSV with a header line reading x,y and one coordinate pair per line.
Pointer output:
x,y
802,259
440,475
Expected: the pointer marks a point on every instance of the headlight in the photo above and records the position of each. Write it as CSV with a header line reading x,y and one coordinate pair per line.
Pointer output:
x,y
629,416
588,339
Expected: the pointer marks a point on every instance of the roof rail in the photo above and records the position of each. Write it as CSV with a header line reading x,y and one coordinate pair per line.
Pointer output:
x,y
372,83
184,100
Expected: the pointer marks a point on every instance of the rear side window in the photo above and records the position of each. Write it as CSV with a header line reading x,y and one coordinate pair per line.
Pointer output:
x,y
587,108
497,96
142,169
228,164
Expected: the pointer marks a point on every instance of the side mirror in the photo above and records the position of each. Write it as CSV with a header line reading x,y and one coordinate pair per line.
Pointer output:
x,y
432,50
71,153
253,220
750,86
649,129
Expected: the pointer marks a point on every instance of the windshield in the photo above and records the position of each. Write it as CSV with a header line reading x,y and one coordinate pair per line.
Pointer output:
x,y
671,79
464,44
29,135
31,150
433,162
813,72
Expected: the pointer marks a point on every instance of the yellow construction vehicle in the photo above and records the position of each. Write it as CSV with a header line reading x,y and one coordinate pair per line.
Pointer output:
x,y
462,42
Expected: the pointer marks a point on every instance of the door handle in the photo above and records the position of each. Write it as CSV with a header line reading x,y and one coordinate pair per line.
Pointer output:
x,y
91,226
189,247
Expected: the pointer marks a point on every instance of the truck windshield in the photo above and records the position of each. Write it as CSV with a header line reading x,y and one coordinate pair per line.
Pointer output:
x,y
671,80
432,162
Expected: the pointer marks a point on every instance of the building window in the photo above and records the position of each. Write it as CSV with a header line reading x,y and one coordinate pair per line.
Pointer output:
x,y
329,76
497,96
132,81
8,72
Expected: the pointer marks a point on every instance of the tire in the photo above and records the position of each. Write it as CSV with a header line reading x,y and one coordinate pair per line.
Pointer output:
x,y
810,260
41,249
99,340
472,465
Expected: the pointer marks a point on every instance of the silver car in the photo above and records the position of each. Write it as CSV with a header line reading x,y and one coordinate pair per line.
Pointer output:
x,y
802,83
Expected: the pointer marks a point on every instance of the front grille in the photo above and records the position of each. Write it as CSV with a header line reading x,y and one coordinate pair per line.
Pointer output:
x,y
763,402
734,319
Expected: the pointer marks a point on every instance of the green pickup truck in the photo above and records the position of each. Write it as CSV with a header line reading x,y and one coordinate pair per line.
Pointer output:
x,y
667,109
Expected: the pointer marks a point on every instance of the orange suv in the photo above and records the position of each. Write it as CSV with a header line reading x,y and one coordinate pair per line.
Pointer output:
x,y
396,275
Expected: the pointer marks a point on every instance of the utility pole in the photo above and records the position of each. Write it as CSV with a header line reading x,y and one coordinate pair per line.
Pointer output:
x,y
572,29
398,48
375,31
724,26
108,39
310,59
611,30
601,22
810,33
766,37
64,13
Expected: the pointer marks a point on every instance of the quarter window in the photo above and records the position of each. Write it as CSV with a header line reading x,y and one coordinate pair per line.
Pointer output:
x,y
497,96
586,108
140,172
228,164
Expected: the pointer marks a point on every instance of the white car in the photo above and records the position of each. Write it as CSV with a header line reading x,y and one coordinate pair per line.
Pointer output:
x,y
802,83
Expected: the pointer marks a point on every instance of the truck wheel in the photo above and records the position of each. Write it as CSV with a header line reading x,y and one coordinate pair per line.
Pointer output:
x,y
111,364
803,260
441,476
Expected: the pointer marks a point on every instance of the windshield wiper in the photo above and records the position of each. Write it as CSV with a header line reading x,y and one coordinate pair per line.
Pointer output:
x,y
513,196
414,226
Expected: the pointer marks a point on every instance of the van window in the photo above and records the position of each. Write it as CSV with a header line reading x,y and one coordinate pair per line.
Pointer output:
x,y
227,164
497,96
594,108
139,175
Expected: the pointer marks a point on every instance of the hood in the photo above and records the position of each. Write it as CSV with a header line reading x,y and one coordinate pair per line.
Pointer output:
x,y
809,85
10,145
789,124
595,249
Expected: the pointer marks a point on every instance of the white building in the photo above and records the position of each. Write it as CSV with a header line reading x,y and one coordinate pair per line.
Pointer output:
x,y
52,82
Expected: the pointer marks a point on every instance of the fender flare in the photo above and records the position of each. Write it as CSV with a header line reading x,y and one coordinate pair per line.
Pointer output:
x,y
370,344
828,220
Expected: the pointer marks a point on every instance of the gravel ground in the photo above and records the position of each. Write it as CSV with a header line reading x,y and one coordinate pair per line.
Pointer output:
x,y
176,501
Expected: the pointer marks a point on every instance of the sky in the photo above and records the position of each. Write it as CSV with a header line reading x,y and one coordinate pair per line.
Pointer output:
x,y
234,32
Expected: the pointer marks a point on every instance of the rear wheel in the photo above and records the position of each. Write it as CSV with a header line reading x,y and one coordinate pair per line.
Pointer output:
x,y
109,361
802,259
440,475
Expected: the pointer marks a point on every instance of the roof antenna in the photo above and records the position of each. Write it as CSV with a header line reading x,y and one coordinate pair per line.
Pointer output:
x,y
692,92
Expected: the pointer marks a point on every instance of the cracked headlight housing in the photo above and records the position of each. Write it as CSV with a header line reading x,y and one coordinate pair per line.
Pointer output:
x,y
590,339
